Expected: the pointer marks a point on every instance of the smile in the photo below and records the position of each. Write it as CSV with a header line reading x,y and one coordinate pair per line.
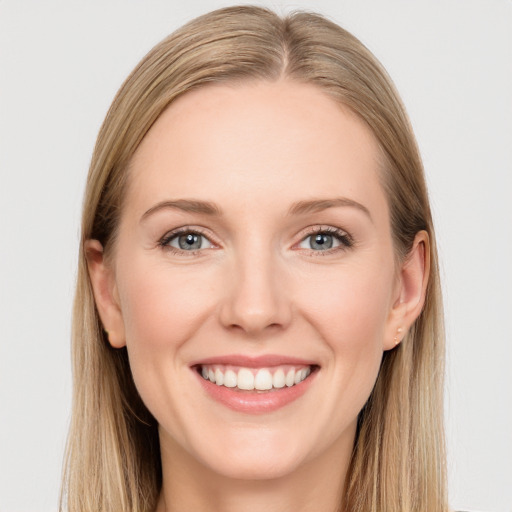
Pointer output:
x,y
249,379
255,385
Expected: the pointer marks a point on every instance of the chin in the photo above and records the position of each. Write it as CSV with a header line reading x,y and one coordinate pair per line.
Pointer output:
x,y
251,468
257,453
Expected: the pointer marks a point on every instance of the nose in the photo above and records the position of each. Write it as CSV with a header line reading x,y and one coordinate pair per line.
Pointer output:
x,y
256,298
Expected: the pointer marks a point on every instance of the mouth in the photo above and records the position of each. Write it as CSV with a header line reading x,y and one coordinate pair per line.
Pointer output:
x,y
255,385
255,379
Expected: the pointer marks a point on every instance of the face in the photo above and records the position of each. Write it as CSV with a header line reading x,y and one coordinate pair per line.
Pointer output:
x,y
254,250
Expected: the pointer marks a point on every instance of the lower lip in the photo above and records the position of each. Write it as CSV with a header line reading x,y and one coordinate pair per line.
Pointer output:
x,y
254,402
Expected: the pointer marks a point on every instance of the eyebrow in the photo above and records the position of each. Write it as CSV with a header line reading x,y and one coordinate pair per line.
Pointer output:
x,y
185,205
299,208
318,205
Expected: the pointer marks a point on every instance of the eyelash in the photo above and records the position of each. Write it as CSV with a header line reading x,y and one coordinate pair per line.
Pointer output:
x,y
168,237
345,240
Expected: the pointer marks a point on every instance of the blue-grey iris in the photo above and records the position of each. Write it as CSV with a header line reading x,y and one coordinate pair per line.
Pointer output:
x,y
190,241
321,241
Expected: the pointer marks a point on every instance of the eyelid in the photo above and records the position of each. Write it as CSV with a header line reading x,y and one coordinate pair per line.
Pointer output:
x,y
163,242
344,237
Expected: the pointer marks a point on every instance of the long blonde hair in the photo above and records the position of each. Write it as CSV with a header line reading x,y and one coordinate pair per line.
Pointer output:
x,y
113,456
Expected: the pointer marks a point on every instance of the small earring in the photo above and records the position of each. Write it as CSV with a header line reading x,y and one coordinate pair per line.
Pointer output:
x,y
396,338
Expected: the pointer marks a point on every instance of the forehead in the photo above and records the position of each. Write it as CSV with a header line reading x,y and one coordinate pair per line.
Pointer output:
x,y
250,142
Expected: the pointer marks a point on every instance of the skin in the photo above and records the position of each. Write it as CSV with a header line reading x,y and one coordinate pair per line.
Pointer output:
x,y
256,287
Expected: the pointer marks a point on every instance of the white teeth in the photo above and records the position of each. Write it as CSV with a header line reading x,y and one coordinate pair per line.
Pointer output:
x,y
303,374
263,380
278,379
290,378
248,379
245,379
230,379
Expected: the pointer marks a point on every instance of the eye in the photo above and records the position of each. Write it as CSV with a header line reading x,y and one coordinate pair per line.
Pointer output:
x,y
326,239
186,241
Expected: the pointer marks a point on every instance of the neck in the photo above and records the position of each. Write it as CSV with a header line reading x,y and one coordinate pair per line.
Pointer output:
x,y
315,485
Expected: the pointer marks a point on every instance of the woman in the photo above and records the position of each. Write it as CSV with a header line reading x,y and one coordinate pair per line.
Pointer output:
x,y
258,317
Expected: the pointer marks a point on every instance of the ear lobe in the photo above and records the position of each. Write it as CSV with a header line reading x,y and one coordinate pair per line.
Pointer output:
x,y
411,291
105,293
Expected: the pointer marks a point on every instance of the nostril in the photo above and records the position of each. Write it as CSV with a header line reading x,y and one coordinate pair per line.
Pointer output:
x,y
254,301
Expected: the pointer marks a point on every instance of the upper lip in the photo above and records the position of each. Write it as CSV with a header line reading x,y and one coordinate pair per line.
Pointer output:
x,y
262,361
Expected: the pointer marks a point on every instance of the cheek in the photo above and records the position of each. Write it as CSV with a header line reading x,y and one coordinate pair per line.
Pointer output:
x,y
350,312
162,310
350,307
162,307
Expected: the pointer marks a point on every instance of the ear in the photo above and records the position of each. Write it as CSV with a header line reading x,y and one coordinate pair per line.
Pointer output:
x,y
105,293
409,295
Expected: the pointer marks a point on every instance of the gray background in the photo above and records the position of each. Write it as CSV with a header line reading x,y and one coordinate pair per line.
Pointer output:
x,y
61,63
